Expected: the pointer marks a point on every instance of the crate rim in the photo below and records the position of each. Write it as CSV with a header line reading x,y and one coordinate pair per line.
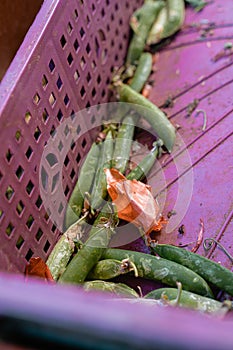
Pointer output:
x,y
166,326
25,51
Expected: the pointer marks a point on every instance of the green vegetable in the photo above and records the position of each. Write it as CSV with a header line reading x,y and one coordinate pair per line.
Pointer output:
x,y
142,21
63,250
125,134
211,271
175,17
187,299
154,35
99,190
142,169
168,272
87,257
99,236
60,256
135,50
84,183
123,143
157,119
109,268
120,289
142,72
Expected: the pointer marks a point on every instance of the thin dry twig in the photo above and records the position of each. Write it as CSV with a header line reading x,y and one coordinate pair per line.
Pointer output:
x,y
199,237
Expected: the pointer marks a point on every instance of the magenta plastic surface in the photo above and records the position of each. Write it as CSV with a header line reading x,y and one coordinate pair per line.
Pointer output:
x,y
75,317
65,64
186,71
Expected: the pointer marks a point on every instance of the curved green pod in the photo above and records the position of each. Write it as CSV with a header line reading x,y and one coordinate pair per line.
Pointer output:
x,y
187,299
63,249
60,256
87,257
143,168
155,117
108,269
84,183
212,272
175,17
142,72
120,289
99,189
123,143
145,17
155,33
168,272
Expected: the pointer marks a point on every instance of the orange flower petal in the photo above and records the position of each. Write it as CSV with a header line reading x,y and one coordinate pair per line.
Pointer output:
x,y
134,201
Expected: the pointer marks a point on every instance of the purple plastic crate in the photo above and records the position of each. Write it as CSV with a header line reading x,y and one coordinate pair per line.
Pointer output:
x,y
65,64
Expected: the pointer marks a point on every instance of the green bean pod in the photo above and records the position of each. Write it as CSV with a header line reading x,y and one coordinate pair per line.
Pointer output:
x,y
92,250
60,256
139,15
168,272
155,33
87,257
125,134
84,183
187,299
134,20
175,17
63,250
123,143
212,272
135,49
145,16
155,117
108,269
99,190
142,72
120,289
143,168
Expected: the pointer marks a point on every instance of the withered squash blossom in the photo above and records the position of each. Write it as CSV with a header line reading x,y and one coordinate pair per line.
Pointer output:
x,y
134,201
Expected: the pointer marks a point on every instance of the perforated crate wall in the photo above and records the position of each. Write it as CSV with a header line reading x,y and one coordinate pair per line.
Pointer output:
x,y
64,65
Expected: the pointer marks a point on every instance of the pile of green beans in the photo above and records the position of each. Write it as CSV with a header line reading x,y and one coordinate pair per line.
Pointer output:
x,y
93,265
100,235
